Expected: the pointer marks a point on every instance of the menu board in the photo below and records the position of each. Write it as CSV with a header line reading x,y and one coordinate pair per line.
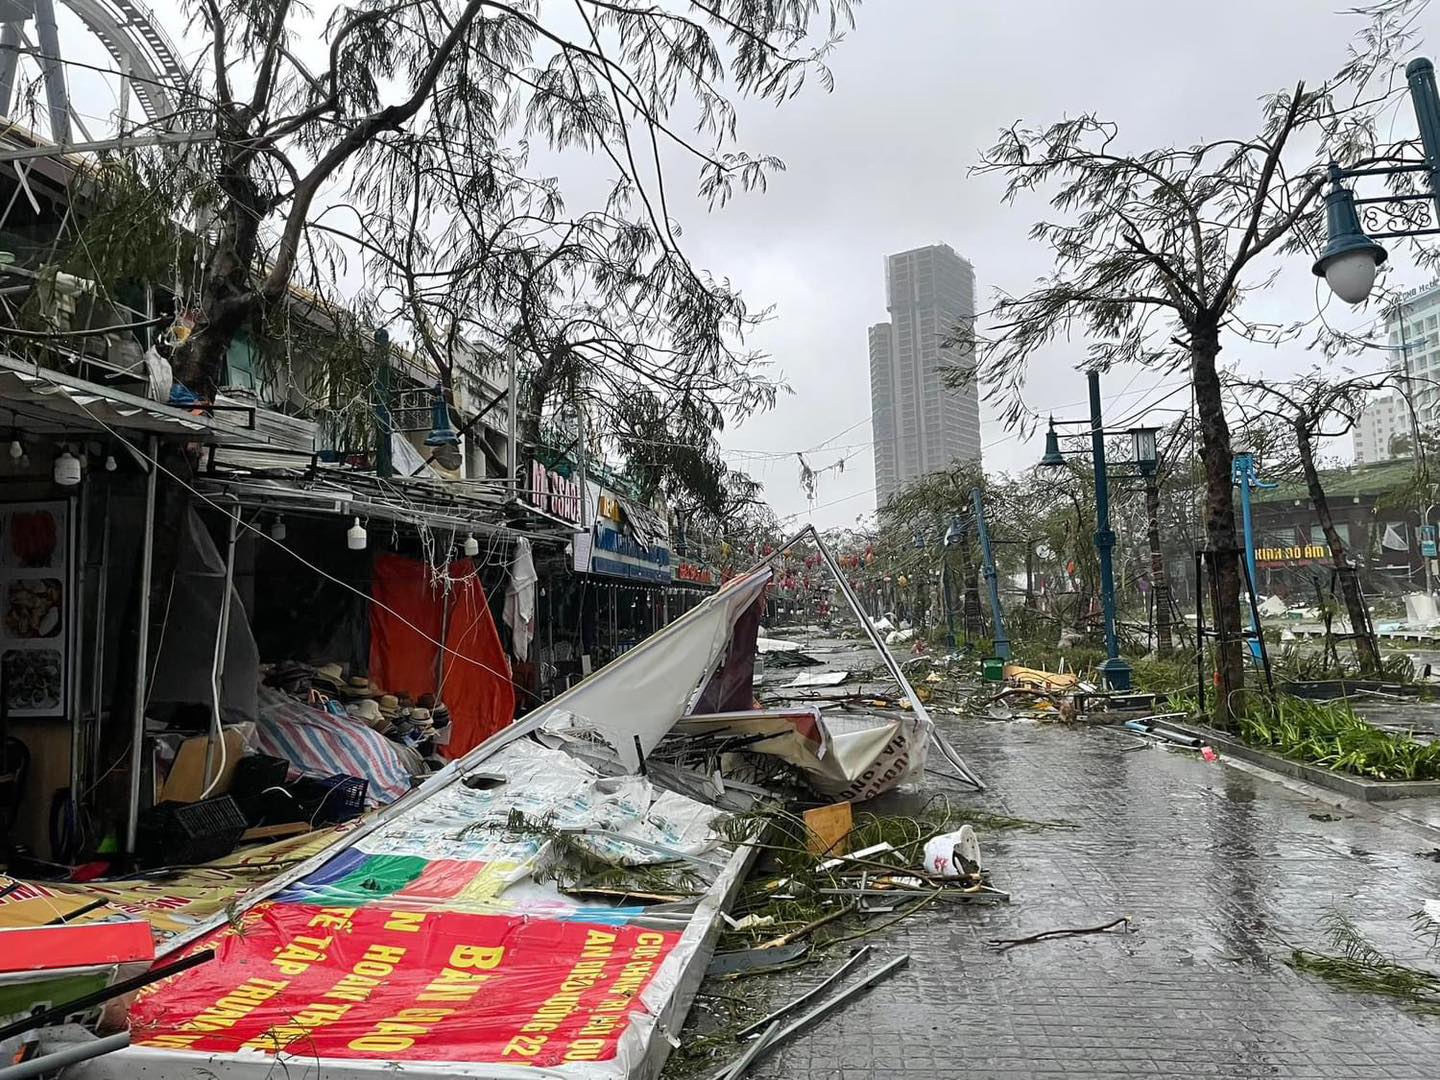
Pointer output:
x,y
33,606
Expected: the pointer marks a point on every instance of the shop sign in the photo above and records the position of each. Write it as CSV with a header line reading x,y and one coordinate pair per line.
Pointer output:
x,y
608,507
1293,553
617,555
694,573
553,493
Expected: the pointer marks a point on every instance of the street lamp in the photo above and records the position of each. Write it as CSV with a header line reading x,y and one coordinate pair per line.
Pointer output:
x,y
1115,670
953,535
1351,255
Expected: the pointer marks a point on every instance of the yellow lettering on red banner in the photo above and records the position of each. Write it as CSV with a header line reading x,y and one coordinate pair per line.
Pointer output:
x,y
399,1032
407,922
281,1036
524,1046
332,918
236,1005
452,985
476,956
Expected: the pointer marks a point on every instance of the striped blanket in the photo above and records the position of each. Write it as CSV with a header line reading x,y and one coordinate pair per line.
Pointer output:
x,y
317,743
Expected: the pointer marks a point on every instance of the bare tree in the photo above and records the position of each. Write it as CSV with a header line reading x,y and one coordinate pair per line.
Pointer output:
x,y
1158,249
1318,406
420,125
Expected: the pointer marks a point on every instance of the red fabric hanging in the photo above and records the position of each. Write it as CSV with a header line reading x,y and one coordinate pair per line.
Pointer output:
x,y
477,687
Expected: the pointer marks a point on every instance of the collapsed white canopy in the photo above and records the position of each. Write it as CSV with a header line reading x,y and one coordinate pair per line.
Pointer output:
x,y
641,695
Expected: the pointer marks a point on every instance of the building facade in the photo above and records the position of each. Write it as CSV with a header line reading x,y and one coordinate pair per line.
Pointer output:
x,y
1384,417
920,425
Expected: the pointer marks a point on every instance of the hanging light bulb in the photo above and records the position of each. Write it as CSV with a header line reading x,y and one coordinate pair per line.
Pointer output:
x,y
356,537
17,449
67,469
472,546
277,527
110,464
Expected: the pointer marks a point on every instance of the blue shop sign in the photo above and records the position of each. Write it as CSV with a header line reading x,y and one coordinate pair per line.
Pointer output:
x,y
618,555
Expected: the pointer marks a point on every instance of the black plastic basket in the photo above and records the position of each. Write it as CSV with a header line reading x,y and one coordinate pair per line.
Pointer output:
x,y
257,772
332,799
187,834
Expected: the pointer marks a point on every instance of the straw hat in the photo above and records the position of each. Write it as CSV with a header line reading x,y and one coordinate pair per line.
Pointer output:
x,y
389,704
332,674
368,711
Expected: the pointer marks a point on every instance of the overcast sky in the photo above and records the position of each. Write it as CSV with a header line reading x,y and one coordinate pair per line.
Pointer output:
x,y
880,165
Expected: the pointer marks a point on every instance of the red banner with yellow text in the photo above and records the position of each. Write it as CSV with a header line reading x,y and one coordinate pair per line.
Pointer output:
x,y
385,984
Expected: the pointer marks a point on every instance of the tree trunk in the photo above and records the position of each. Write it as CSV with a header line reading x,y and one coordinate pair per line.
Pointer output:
x,y
1159,580
1363,633
1216,456
541,385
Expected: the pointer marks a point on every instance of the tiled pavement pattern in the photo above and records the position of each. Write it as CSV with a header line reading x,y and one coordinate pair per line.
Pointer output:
x,y
1218,867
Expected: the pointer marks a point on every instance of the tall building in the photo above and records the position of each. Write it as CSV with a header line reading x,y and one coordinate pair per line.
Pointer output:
x,y
1412,330
920,425
1380,421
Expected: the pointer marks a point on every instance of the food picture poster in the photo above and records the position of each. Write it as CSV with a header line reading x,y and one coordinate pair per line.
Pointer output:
x,y
33,606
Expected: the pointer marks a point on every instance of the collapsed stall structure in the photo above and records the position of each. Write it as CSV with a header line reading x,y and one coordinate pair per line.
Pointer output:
x,y
475,926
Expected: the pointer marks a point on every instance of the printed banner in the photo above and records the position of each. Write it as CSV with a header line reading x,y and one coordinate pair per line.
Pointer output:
x,y
383,984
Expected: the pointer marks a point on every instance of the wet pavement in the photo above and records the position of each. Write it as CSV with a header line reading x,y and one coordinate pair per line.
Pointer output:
x,y
1221,869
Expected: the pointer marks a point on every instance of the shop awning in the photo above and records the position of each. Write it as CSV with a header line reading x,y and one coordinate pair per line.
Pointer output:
x,y
52,402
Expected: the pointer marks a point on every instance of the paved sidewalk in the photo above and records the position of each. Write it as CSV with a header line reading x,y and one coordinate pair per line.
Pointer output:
x,y
1218,867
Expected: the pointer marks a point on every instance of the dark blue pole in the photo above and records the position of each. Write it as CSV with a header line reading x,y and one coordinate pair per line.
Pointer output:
x,y
1420,74
1115,670
1002,643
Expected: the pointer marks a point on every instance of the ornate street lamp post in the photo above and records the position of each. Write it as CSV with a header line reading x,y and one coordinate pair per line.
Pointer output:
x,y
1351,255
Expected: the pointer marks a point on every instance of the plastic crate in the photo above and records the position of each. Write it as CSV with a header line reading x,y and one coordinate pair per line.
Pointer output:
x,y
332,799
187,834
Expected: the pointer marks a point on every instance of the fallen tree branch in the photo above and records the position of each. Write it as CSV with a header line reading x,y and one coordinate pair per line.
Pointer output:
x,y
1005,944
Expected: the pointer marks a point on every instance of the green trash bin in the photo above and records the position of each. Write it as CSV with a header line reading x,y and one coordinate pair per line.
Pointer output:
x,y
992,669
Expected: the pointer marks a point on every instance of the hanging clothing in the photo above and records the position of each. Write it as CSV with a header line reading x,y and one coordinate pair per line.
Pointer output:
x,y
520,600
472,677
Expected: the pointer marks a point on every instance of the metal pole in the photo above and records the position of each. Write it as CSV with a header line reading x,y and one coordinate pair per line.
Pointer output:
x,y
71,1055
1159,579
97,660
384,424
1200,632
1417,452
1002,643
75,525
580,468
1115,670
949,604
56,97
513,464
1244,469
9,61
142,649
1420,74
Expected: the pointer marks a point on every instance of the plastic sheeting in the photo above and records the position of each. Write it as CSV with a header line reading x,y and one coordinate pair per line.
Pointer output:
x,y
187,647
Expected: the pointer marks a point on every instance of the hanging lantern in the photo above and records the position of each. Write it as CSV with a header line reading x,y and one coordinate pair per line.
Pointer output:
x,y
277,528
67,469
472,546
356,537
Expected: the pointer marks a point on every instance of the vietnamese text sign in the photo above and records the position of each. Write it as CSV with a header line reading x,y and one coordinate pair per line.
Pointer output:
x,y
381,983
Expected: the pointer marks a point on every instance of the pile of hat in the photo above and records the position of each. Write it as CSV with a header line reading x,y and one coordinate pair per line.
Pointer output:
x,y
422,723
